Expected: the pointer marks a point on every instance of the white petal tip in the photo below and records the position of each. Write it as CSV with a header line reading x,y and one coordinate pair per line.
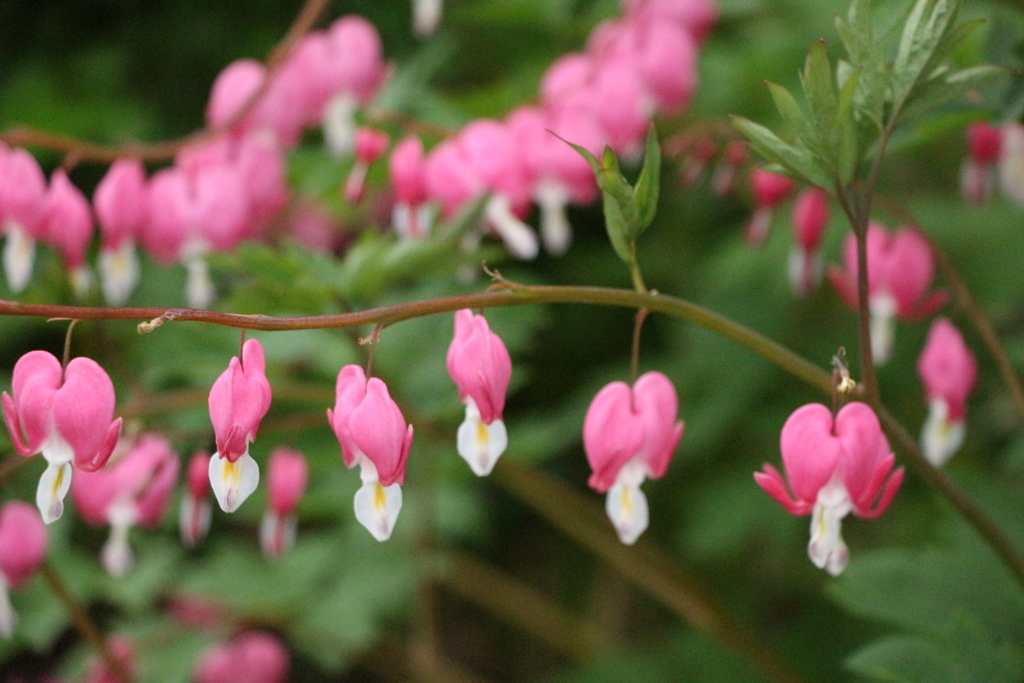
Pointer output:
x,y
233,482
377,508
479,444
626,506
53,486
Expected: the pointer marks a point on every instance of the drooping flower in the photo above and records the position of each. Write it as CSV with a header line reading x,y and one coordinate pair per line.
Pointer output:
x,y
286,484
810,217
22,549
413,215
121,201
769,190
238,401
67,226
833,467
948,371
67,415
251,657
133,491
630,434
370,145
373,434
480,366
22,197
900,272
194,519
984,143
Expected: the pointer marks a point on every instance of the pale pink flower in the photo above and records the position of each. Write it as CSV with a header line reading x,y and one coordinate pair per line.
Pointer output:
x,y
133,491
274,112
833,467
481,368
252,657
900,273
121,202
413,215
629,435
370,145
22,549
67,415
239,400
948,371
286,484
67,225
373,435
22,206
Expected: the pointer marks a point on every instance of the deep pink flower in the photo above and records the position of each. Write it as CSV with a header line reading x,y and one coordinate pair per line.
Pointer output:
x,y
900,272
238,401
833,467
22,549
275,111
769,190
252,657
810,217
948,371
194,519
133,491
629,435
67,416
370,145
984,144
286,484
481,368
373,434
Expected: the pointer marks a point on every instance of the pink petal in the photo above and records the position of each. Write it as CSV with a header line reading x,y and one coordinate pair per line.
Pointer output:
x,y
810,451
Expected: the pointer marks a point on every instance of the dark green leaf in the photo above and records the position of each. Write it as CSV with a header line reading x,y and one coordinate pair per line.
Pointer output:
x,y
797,161
647,185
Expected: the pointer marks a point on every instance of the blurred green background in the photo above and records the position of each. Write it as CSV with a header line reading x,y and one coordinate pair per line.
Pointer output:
x,y
481,582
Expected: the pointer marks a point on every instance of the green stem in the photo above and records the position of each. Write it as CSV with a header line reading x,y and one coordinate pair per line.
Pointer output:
x,y
83,624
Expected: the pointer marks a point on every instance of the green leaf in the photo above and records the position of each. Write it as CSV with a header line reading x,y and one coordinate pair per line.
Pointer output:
x,y
798,161
647,185
848,151
820,89
947,88
924,31
791,111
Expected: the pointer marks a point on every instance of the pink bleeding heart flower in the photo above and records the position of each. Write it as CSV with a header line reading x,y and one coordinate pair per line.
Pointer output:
x,y
977,176
133,491
121,202
67,225
833,467
810,217
286,484
239,400
724,177
481,368
426,15
22,205
370,145
696,16
629,435
252,657
67,415
124,653
948,371
192,213
900,272
194,519
413,215
769,190
373,434
274,111
22,549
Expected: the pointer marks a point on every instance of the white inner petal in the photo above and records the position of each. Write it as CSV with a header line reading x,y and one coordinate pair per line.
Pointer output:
x,y
827,549
194,521
233,482
8,617
940,437
53,486
339,124
520,238
426,15
119,270
377,506
19,254
626,506
883,326
479,444
199,287
555,230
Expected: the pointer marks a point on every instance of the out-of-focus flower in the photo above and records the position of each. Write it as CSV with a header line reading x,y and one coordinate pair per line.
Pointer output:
x,y
948,371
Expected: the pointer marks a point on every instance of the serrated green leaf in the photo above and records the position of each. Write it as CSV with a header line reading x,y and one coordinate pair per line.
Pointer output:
x,y
647,185
797,161
927,25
